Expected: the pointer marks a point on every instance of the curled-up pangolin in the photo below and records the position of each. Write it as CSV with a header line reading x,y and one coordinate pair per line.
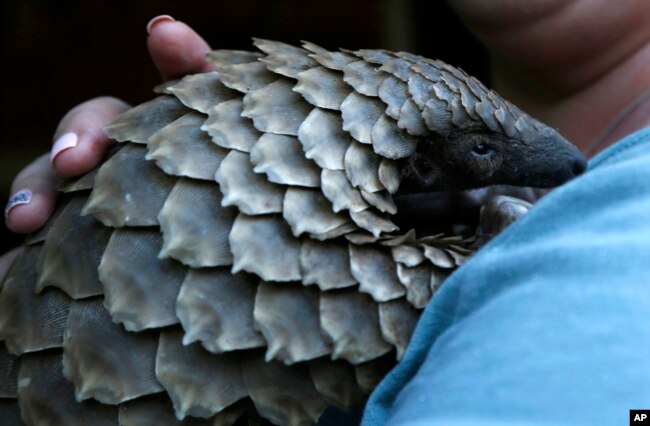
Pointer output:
x,y
237,255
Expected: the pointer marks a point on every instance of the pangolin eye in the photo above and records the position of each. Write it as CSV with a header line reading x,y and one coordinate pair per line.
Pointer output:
x,y
482,150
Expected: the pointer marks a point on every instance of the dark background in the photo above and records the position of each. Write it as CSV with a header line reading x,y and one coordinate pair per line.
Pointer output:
x,y
56,54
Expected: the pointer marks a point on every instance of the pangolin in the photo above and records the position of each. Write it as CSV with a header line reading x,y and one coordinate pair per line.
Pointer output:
x,y
236,254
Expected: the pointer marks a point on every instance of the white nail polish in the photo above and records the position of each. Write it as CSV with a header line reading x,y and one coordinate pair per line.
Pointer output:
x,y
23,196
66,141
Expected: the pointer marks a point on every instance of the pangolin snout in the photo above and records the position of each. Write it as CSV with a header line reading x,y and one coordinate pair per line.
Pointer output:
x,y
560,161
573,163
578,165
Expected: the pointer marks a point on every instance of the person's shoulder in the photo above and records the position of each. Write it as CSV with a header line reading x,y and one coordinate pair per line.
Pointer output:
x,y
633,146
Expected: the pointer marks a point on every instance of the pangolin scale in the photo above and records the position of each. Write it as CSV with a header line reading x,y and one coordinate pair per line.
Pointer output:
x,y
236,255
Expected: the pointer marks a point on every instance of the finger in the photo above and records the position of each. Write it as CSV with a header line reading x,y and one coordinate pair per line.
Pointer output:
x,y
6,260
176,49
80,141
33,197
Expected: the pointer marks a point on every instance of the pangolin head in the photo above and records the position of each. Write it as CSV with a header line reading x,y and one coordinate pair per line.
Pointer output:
x,y
479,139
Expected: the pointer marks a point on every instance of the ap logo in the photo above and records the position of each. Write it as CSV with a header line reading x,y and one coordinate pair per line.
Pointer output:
x,y
639,417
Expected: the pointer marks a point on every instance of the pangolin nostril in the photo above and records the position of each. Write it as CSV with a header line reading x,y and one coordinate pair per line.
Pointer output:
x,y
579,166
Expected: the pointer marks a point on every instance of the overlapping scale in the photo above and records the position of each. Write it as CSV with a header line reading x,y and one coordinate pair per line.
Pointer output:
x,y
283,394
364,77
374,222
389,141
323,139
397,319
228,128
332,60
283,58
382,200
417,280
72,252
437,116
28,321
388,175
362,167
322,87
336,382
397,67
120,199
419,89
139,123
195,226
276,108
411,120
244,77
340,192
292,335
283,161
45,396
250,192
351,320
104,361
393,92
374,56
376,272
183,149
207,314
199,383
140,290
307,210
360,113
200,91
264,245
326,264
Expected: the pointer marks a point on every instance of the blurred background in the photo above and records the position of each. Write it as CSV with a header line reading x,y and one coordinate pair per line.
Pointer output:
x,y
55,54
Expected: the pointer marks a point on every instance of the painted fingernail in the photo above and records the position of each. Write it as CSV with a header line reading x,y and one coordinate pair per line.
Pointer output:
x,y
66,141
157,20
23,196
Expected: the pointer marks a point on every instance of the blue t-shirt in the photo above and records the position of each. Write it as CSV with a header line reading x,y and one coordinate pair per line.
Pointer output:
x,y
547,324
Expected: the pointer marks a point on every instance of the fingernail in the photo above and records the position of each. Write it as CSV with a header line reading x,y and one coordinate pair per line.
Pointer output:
x,y
66,141
23,196
158,19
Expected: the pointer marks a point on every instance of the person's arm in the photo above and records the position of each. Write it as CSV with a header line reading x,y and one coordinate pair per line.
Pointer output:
x,y
80,142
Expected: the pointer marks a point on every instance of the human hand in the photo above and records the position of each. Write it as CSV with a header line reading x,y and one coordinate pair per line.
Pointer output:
x,y
80,142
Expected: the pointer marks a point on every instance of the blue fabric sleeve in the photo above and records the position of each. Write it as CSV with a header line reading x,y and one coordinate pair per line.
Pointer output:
x,y
550,322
